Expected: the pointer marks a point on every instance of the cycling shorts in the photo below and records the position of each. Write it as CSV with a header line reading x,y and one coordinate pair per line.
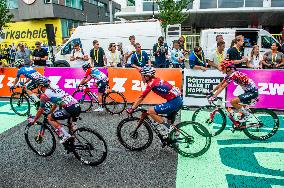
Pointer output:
x,y
169,107
248,96
102,86
31,86
65,113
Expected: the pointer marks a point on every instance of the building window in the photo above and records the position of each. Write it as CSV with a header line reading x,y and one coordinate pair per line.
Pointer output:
x,y
230,3
12,4
148,5
130,2
277,3
204,4
76,4
94,2
254,3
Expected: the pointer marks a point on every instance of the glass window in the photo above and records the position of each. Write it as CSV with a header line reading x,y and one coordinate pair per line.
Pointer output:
x,y
68,47
230,3
148,6
130,2
68,3
277,3
204,4
12,4
254,3
266,41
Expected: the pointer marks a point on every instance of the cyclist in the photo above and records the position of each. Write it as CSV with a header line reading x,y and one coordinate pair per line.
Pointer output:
x,y
31,74
101,82
166,91
68,107
247,84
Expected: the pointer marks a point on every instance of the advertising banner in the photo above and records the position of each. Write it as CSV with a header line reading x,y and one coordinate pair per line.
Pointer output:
x,y
68,78
7,78
129,82
197,83
270,84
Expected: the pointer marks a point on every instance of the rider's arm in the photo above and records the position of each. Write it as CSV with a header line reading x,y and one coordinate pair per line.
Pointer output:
x,y
137,102
223,86
53,108
85,80
143,95
43,100
16,81
218,86
27,80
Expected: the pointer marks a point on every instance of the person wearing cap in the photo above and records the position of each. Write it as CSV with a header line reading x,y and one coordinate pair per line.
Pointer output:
x,y
24,54
40,55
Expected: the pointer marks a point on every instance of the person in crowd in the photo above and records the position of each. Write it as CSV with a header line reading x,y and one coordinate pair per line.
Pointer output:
x,y
39,55
12,54
7,53
273,59
24,54
78,56
212,48
97,54
139,58
197,60
177,56
113,56
129,50
160,51
218,55
182,45
255,61
233,43
120,50
236,53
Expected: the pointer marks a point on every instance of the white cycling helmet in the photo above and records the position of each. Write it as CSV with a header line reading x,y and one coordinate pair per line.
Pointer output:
x,y
148,71
19,62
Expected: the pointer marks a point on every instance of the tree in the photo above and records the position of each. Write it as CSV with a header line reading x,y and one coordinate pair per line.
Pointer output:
x,y
5,16
171,11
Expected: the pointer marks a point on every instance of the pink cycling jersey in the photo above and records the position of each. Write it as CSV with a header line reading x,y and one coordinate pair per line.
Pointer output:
x,y
241,79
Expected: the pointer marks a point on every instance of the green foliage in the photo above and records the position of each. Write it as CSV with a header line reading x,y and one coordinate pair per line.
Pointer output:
x,y
5,16
171,11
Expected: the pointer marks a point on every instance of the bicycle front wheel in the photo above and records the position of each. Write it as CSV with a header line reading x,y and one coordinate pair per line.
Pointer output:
x,y
40,139
213,119
262,124
89,146
84,99
20,104
187,141
115,102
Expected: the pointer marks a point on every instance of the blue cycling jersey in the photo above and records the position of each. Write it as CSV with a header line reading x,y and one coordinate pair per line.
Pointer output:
x,y
28,72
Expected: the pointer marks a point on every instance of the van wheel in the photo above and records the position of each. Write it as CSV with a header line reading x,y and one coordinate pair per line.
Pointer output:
x,y
61,63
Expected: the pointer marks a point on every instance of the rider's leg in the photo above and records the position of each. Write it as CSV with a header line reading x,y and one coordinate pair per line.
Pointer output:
x,y
53,120
235,103
152,113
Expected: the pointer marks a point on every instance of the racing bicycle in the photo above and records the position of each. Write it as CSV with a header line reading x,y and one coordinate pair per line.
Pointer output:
x,y
86,144
136,134
113,101
261,125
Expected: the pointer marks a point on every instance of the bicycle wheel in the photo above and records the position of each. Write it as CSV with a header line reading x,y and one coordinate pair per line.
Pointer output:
x,y
114,102
213,119
89,146
262,124
42,144
20,104
84,99
132,138
188,142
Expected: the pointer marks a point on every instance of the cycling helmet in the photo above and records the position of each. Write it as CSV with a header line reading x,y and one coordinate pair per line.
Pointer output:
x,y
227,64
148,71
86,66
42,81
19,62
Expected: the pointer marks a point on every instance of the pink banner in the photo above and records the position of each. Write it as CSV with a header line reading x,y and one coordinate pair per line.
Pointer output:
x,y
68,78
270,84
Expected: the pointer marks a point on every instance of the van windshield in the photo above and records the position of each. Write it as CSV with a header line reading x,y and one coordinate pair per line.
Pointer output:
x,y
69,46
267,41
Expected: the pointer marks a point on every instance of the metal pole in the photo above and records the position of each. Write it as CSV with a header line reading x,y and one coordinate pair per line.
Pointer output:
x,y
110,12
153,9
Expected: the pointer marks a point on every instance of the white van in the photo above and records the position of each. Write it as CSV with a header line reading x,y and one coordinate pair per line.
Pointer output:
x,y
145,32
252,37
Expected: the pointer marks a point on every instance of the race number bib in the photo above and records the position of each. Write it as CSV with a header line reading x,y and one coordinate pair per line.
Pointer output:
x,y
36,75
175,91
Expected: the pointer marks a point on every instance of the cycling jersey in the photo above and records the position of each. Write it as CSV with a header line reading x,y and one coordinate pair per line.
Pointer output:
x,y
96,74
162,88
58,97
241,79
29,72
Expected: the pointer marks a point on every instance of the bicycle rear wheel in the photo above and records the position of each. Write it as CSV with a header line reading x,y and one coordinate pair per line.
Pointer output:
x,y
84,99
132,138
43,144
114,102
89,146
214,120
262,124
188,142
20,104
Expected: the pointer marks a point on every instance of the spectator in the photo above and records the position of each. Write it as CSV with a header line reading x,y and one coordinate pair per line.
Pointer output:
x,y
177,56
129,50
120,50
273,58
182,45
236,52
197,60
212,49
160,51
78,56
139,58
233,43
255,61
24,54
97,54
39,55
113,56
218,55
